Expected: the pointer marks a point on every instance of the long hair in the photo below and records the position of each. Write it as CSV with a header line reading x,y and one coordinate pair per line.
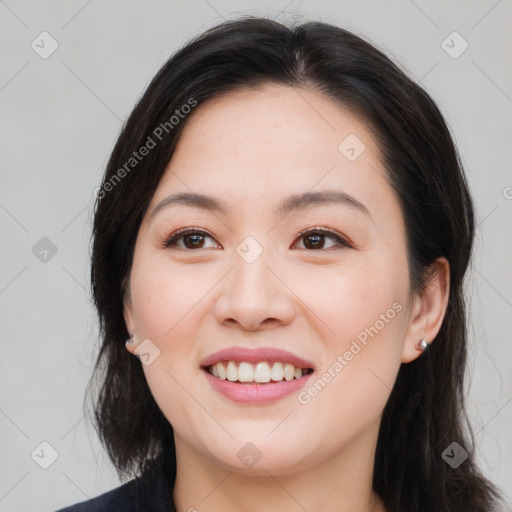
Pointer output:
x,y
425,411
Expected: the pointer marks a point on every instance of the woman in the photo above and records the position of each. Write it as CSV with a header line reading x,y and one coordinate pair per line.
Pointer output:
x,y
281,236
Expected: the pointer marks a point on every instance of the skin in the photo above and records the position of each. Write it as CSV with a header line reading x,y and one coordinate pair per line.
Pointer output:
x,y
251,149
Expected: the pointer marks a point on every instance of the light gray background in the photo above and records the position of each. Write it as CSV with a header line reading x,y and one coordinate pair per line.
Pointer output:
x,y
60,118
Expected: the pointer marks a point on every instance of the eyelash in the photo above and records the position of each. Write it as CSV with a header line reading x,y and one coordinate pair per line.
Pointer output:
x,y
170,242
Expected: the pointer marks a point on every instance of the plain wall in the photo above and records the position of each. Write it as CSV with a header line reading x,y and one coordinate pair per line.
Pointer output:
x,y
60,117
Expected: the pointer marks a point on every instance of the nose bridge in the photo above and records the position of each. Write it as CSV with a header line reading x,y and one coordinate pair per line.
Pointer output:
x,y
252,294
251,275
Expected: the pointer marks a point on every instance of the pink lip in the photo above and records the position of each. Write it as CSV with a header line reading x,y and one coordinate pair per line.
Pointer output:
x,y
256,393
257,355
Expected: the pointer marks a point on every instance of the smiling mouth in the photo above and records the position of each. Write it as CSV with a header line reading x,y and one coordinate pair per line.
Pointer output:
x,y
264,372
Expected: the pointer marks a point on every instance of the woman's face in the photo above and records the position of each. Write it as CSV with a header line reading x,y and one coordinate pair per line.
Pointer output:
x,y
247,277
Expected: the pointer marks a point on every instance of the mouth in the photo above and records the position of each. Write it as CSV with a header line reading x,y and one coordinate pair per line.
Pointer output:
x,y
259,373
256,376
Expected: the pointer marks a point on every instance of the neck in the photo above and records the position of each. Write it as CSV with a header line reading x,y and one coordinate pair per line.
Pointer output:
x,y
342,483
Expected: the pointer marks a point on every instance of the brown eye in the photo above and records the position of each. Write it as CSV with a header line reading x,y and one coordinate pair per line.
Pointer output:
x,y
192,239
315,239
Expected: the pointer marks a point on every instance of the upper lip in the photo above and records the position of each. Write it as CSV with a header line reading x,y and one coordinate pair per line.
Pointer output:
x,y
256,355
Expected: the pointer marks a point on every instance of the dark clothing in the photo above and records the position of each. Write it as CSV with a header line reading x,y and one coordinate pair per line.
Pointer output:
x,y
151,492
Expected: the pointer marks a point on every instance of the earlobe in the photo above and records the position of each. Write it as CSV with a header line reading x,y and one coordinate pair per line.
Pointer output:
x,y
131,343
128,316
128,320
428,313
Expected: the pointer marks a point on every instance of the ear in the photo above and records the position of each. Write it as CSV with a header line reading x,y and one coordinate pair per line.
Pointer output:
x,y
428,310
128,313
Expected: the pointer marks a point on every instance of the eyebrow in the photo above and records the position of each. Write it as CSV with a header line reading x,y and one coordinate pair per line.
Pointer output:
x,y
291,203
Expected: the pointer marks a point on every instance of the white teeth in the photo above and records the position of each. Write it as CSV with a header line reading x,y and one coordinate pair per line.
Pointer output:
x,y
261,372
232,372
221,371
278,371
289,371
245,372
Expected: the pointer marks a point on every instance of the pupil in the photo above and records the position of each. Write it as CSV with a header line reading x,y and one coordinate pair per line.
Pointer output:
x,y
316,239
195,239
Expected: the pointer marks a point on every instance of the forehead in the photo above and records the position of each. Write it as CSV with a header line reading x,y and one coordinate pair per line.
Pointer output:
x,y
272,141
288,115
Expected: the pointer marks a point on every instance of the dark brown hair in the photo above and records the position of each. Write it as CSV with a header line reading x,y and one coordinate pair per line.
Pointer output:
x,y
425,412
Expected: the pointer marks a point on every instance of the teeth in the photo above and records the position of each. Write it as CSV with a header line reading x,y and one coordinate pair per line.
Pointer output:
x,y
245,372
261,372
277,371
221,371
289,371
232,372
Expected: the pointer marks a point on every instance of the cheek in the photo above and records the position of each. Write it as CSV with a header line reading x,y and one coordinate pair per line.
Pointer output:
x,y
170,304
355,301
167,308
163,298
363,311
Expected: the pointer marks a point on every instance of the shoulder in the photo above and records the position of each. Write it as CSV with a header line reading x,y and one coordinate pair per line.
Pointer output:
x,y
120,498
150,492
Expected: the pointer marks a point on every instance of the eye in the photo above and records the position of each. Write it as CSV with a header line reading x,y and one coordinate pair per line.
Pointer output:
x,y
192,238
315,238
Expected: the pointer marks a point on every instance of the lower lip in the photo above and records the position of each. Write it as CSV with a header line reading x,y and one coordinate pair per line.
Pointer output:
x,y
256,393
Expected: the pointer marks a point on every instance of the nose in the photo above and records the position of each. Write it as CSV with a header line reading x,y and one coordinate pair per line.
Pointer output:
x,y
253,297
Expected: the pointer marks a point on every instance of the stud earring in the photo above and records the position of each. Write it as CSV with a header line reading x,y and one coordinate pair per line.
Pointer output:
x,y
129,341
422,346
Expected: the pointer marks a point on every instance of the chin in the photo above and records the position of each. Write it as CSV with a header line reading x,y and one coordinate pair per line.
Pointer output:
x,y
259,458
